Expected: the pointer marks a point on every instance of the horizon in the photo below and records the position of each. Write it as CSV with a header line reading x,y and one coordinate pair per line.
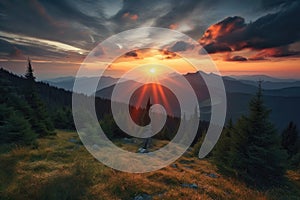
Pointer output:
x,y
235,76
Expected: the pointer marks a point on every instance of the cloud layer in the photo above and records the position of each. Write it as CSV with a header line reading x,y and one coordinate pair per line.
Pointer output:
x,y
69,29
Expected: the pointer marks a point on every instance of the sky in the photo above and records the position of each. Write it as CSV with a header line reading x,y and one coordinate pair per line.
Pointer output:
x,y
242,37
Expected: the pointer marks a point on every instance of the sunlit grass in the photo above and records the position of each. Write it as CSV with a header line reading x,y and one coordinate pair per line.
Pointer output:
x,y
60,169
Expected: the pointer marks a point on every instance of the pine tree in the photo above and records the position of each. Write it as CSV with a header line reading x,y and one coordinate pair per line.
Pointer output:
x,y
256,155
290,139
40,120
29,72
14,126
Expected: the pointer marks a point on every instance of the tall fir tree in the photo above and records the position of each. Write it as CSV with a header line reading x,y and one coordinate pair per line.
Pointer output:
x,y
256,155
29,72
40,120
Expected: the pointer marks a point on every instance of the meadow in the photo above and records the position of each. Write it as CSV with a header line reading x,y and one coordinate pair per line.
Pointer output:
x,y
59,167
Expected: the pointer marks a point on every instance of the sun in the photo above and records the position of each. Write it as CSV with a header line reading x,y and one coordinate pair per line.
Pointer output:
x,y
152,70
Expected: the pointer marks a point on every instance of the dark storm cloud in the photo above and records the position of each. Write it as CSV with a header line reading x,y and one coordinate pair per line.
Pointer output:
x,y
216,47
275,30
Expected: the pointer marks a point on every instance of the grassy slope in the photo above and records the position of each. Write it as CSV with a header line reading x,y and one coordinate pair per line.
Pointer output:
x,y
60,169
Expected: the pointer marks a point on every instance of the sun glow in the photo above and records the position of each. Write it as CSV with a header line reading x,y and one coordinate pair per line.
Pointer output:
x,y
152,70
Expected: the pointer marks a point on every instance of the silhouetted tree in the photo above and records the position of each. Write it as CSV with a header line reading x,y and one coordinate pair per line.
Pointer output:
x,y
39,120
29,72
255,153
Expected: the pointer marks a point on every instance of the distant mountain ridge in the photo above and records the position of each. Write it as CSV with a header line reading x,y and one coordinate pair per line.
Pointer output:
x,y
234,83
283,102
282,96
261,77
83,83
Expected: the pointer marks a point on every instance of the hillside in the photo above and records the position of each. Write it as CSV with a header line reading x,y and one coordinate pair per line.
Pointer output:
x,y
61,168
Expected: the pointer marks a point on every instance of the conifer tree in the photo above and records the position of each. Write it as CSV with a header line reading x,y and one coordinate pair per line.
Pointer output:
x,y
14,124
257,156
14,128
40,120
29,72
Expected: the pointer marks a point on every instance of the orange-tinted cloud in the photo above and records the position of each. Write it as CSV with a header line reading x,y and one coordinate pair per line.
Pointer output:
x,y
273,52
168,54
271,34
228,57
128,15
173,26
214,38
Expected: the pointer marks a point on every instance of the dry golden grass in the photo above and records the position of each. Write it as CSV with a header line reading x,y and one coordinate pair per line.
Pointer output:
x,y
59,169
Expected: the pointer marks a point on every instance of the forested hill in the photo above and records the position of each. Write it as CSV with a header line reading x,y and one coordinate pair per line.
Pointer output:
x,y
56,101
53,97
58,107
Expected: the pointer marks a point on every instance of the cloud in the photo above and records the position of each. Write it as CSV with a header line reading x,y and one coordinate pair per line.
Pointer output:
x,y
181,46
178,12
271,31
274,52
16,54
168,54
133,17
131,54
173,26
99,51
82,24
25,40
217,38
235,58
215,48
271,4
14,46
55,20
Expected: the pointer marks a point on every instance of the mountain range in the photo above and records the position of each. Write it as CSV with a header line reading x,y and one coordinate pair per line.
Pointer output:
x,y
282,96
